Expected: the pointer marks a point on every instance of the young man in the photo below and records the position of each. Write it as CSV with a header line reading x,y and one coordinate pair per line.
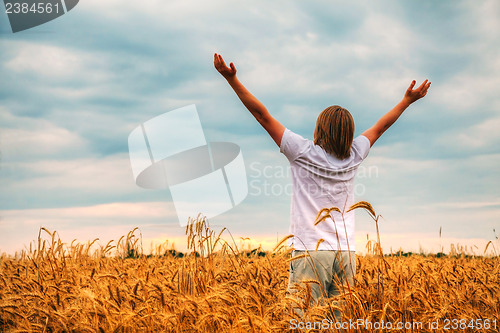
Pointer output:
x,y
323,173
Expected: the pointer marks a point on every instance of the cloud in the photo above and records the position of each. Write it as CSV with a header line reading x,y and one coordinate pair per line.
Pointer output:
x,y
70,98
468,93
75,181
28,139
123,211
479,137
51,61
105,221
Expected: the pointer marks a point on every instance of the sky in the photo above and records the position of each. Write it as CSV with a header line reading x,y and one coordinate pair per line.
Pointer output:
x,y
73,89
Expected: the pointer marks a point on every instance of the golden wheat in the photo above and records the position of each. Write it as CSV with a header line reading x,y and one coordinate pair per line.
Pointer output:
x,y
55,287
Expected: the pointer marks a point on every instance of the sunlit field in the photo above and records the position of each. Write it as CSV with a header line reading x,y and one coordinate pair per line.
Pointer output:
x,y
217,287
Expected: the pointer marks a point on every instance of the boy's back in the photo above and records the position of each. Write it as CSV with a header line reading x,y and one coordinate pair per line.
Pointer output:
x,y
321,180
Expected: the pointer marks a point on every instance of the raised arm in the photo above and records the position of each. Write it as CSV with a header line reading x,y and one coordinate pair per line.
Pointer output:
x,y
256,108
390,117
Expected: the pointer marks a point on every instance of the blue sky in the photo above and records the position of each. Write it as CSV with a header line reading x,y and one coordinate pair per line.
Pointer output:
x,y
73,89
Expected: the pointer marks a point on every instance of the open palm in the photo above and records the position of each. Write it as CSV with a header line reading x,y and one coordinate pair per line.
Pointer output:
x,y
413,95
221,67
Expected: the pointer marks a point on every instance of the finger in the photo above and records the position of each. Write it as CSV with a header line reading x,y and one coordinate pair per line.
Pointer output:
x,y
232,67
426,87
424,91
422,85
412,85
222,61
217,61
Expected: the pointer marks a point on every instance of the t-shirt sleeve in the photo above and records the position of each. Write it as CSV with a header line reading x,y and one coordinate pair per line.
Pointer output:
x,y
361,145
293,145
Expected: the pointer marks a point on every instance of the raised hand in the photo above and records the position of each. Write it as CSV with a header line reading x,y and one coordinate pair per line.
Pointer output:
x,y
256,108
221,67
413,95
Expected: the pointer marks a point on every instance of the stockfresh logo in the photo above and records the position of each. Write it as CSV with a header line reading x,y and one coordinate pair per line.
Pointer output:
x,y
26,14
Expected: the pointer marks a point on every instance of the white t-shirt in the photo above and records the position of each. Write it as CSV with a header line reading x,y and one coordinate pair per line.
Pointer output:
x,y
321,180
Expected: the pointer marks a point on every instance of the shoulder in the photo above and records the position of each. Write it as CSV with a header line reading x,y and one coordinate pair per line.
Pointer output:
x,y
293,145
361,146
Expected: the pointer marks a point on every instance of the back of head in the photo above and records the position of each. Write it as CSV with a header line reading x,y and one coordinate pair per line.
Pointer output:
x,y
335,131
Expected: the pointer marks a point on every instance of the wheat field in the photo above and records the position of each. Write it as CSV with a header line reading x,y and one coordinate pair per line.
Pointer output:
x,y
58,287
